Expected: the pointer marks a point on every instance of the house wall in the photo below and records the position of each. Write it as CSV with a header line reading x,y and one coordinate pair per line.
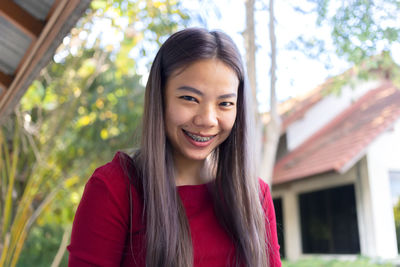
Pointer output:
x,y
330,106
364,209
383,155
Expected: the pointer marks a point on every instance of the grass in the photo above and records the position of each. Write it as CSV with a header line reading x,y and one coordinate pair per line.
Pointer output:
x,y
317,262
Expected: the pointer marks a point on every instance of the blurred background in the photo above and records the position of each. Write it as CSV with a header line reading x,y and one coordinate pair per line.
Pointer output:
x,y
325,79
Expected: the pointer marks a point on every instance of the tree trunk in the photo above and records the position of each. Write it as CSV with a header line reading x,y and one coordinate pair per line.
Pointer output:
x,y
250,45
271,132
273,128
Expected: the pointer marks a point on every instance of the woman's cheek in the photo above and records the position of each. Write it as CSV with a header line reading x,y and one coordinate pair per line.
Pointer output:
x,y
230,120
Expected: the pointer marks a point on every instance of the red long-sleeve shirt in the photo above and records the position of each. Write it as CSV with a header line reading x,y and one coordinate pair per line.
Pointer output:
x,y
100,233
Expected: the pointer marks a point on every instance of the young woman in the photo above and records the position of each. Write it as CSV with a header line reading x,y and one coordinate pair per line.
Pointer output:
x,y
189,196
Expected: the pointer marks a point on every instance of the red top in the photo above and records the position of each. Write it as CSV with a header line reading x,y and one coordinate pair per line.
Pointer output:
x,y
101,227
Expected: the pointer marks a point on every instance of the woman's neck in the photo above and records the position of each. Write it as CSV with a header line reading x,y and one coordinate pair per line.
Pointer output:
x,y
190,172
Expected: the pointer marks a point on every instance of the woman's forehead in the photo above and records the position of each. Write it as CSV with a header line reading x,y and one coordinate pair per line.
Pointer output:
x,y
217,62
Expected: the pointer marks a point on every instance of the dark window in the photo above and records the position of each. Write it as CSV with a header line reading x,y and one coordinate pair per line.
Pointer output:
x,y
279,225
329,221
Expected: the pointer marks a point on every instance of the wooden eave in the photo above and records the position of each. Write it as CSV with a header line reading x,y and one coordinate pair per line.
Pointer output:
x,y
46,36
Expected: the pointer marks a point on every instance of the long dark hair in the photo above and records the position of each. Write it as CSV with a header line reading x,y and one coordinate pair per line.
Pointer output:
x,y
235,188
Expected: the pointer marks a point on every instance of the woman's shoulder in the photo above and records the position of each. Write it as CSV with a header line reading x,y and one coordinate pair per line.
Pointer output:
x,y
117,174
265,196
264,187
116,167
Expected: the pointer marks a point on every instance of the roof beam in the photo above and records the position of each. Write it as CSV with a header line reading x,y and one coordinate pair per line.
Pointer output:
x,y
22,19
56,3
5,80
57,26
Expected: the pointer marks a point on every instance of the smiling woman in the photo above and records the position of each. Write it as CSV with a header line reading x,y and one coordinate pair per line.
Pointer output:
x,y
189,196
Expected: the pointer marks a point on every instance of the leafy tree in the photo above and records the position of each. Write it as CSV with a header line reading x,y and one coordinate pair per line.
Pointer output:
x,y
361,30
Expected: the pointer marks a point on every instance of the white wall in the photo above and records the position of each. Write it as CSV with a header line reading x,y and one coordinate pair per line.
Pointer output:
x,y
364,210
383,155
324,111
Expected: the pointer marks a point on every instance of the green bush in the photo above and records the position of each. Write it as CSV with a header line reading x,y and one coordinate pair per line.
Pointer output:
x,y
396,212
316,262
41,247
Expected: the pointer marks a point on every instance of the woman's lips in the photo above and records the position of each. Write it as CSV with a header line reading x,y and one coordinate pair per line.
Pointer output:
x,y
198,140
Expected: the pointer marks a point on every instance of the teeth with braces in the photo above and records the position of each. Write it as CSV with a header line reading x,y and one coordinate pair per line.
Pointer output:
x,y
199,138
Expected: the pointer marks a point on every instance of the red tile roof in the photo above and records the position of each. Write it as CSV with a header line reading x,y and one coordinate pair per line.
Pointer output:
x,y
338,145
294,109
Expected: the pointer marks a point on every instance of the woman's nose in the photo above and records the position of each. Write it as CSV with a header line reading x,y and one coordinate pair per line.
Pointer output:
x,y
206,117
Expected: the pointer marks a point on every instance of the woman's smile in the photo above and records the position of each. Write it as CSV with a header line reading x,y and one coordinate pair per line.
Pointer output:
x,y
198,140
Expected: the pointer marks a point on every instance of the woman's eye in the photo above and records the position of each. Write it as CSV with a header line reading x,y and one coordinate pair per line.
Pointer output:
x,y
188,98
227,104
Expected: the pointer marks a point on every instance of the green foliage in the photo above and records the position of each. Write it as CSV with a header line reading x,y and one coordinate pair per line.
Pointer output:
x,y
377,67
359,28
14,171
41,246
362,32
318,262
359,25
396,212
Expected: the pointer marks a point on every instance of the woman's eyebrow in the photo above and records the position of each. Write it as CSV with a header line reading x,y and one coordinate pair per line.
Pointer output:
x,y
198,92
191,89
227,96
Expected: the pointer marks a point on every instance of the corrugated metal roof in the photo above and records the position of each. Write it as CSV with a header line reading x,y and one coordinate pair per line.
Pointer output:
x,y
30,32
38,8
13,46
13,42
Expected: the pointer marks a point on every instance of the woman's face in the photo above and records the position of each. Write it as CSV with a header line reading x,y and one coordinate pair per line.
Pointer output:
x,y
200,108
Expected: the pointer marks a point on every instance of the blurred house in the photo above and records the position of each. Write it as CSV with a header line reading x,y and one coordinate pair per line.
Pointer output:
x,y
30,32
337,174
